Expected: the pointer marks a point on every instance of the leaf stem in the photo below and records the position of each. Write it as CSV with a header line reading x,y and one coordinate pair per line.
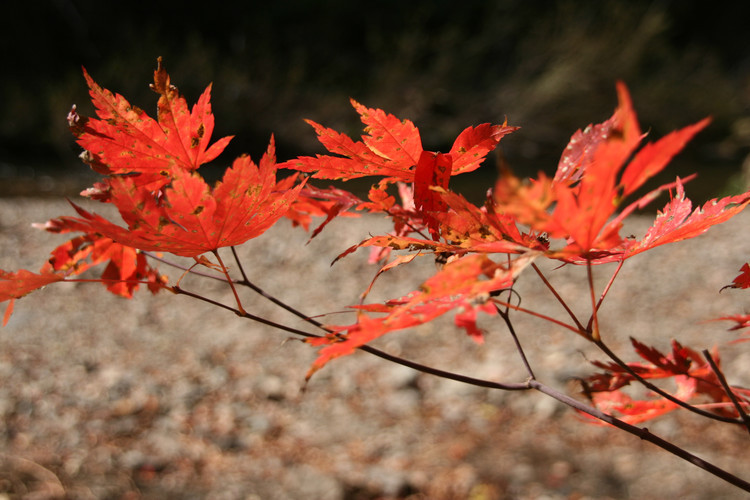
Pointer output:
x,y
230,281
594,320
609,284
538,315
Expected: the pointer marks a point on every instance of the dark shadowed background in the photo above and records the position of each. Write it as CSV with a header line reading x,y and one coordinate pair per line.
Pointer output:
x,y
549,67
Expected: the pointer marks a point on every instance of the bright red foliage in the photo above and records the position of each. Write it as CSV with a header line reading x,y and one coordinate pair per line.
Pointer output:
x,y
150,168
15,285
125,139
693,375
190,218
392,148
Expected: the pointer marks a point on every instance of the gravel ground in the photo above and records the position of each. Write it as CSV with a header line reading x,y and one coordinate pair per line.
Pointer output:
x,y
167,397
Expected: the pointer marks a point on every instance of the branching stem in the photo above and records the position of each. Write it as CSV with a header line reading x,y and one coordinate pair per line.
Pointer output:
x,y
531,384
581,329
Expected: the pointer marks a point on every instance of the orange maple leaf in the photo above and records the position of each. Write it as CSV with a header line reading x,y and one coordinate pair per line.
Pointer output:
x,y
191,218
125,139
14,285
391,148
598,170
462,284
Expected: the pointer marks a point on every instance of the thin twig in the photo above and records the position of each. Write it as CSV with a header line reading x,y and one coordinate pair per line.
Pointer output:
x,y
182,267
230,281
246,282
181,291
239,265
609,284
539,315
506,317
727,389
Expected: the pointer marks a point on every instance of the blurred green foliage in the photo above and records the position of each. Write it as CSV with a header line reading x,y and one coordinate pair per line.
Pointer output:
x,y
549,67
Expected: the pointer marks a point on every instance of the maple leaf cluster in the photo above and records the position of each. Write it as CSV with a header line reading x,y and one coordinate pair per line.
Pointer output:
x,y
151,176
695,380
581,209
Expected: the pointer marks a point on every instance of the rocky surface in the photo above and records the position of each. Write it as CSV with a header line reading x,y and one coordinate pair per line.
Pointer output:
x,y
168,397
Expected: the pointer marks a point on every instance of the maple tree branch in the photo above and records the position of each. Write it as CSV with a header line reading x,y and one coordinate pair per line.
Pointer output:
x,y
642,433
369,349
520,386
246,282
242,313
532,383
661,392
727,388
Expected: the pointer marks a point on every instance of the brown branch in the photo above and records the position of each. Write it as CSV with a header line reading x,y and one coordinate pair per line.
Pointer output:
x,y
642,433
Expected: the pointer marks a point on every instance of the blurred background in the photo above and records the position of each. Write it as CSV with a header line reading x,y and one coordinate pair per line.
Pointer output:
x,y
549,67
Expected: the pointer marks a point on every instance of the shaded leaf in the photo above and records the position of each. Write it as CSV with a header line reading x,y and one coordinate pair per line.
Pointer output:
x,y
743,279
433,170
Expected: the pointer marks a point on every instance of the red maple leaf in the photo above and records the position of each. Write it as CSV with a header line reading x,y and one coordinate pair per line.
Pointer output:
x,y
191,218
433,170
16,285
391,148
463,284
126,267
743,279
599,169
125,139
589,193
635,411
741,320
691,372
676,222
